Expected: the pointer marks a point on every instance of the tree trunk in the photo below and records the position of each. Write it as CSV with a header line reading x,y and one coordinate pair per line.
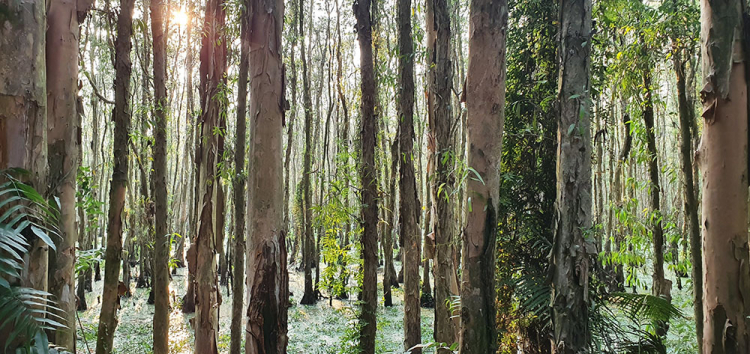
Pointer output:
x,y
660,286
188,148
690,195
389,271
409,208
570,258
427,298
121,116
441,120
23,113
64,154
308,242
220,221
212,74
238,274
722,157
368,141
268,280
161,236
485,102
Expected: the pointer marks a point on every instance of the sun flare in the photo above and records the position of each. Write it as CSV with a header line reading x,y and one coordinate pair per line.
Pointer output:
x,y
180,17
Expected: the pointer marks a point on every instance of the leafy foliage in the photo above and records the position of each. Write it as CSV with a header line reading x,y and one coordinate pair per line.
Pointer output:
x,y
25,312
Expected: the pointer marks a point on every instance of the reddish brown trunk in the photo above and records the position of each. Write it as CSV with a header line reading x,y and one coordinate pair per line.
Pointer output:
x,y
267,282
213,77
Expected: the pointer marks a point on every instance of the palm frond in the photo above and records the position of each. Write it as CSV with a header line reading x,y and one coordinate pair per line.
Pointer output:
x,y
25,313
638,307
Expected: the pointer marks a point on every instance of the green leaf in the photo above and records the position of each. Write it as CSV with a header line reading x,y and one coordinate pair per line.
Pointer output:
x,y
571,128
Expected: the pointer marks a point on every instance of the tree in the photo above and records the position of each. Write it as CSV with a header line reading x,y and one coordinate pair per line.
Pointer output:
x,y
660,285
683,47
23,113
441,121
238,274
64,153
723,161
368,169
485,103
389,271
118,185
161,237
409,207
267,282
213,80
308,246
571,249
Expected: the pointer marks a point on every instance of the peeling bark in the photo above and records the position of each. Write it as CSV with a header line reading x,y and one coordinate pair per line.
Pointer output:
x,y
571,254
268,280
409,208
213,68
440,122
722,157
238,274
485,103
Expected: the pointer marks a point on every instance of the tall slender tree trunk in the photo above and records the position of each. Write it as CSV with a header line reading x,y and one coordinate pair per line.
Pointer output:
x,y
344,140
188,148
485,102
389,271
118,185
409,208
368,171
722,157
570,261
268,280
161,236
290,130
308,244
64,154
188,301
238,274
660,286
213,77
441,120
221,200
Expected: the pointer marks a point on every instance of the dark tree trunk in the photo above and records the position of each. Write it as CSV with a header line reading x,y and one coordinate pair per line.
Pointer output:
x,y
161,235
441,121
409,208
690,195
369,183
570,258
121,117
308,241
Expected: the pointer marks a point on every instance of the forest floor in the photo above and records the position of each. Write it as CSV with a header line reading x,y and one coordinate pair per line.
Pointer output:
x,y
314,329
